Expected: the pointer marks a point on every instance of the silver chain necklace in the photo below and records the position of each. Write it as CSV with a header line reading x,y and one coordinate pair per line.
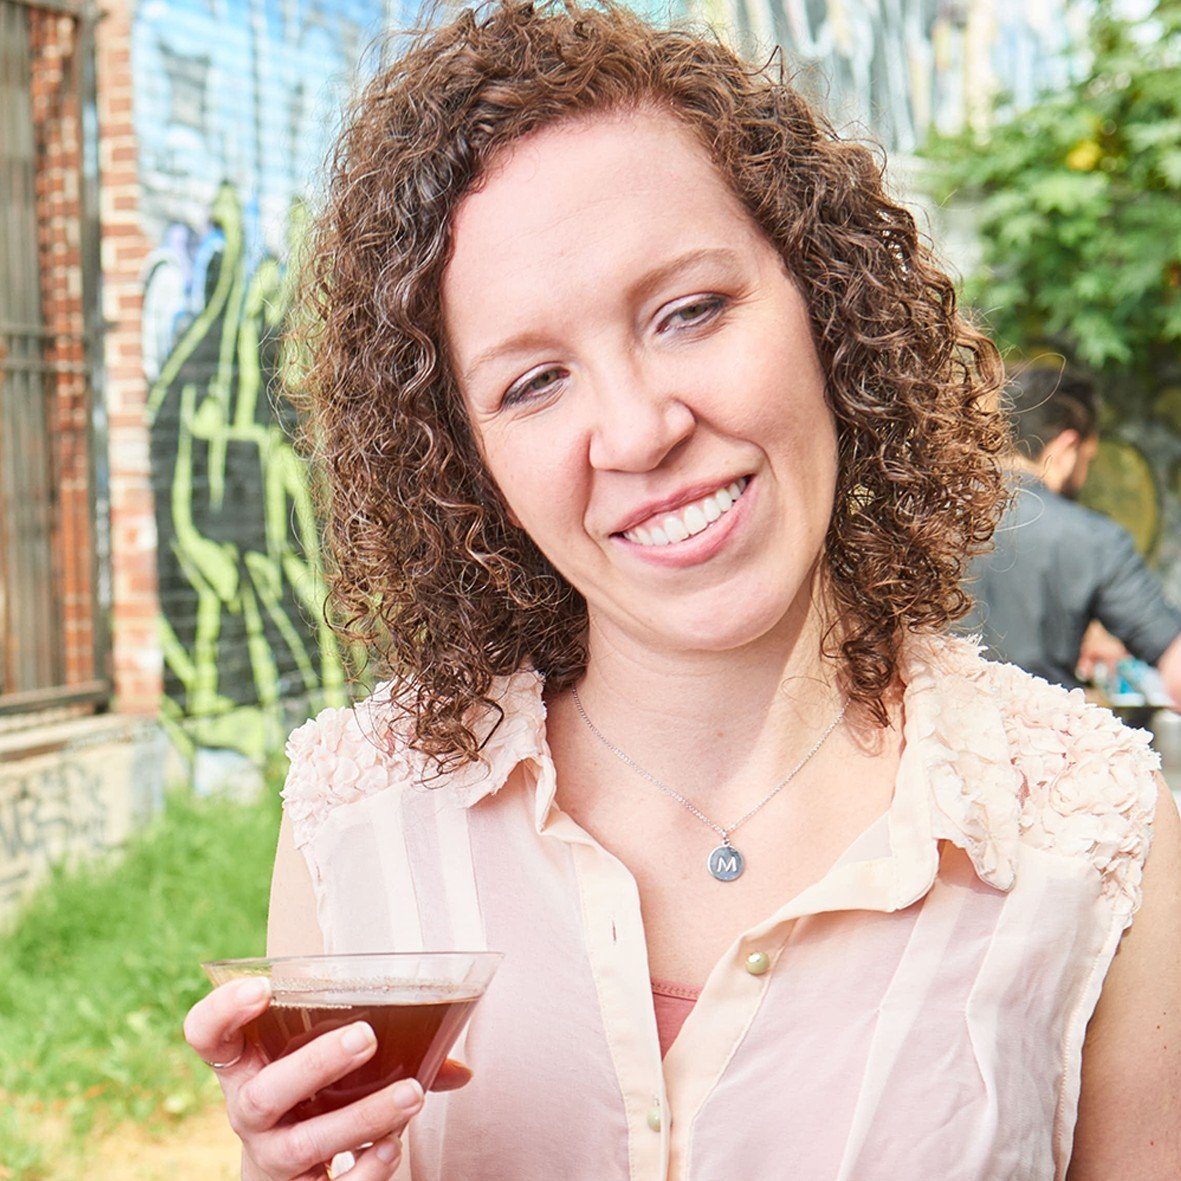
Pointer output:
x,y
725,862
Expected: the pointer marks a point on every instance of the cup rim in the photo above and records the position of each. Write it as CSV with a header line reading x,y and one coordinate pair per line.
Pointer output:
x,y
350,956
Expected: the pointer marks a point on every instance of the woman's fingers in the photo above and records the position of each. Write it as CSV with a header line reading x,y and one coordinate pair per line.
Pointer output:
x,y
302,1146
263,1100
377,1163
214,1024
259,1096
452,1075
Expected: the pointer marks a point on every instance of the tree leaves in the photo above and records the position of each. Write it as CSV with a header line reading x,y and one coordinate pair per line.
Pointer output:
x,y
1077,208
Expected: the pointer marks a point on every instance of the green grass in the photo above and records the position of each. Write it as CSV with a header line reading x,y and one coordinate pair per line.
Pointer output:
x,y
103,963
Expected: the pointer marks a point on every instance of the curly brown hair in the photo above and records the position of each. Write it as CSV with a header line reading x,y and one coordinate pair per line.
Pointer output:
x,y
428,573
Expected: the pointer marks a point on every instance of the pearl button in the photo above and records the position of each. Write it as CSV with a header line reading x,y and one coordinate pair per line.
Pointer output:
x,y
654,1118
757,962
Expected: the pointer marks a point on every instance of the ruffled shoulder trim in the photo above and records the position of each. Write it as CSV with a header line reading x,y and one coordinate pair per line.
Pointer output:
x,y
1090,788
953,719
1016,760
334,761
344,755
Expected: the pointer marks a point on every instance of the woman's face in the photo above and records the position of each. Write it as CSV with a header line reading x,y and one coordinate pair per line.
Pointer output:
x,y
641,377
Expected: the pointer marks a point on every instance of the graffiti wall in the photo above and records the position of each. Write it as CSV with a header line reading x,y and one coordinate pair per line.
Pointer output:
x,y
894,68
236,104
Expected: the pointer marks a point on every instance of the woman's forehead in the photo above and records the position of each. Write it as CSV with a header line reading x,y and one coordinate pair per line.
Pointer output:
x,y
586,169
584,204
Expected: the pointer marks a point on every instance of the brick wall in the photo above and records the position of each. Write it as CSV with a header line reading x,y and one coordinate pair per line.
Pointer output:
x,y
72,784
51,572
57,136
137,658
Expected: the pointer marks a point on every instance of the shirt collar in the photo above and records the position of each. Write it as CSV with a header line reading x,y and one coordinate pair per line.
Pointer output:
x,y
957,781
1020,478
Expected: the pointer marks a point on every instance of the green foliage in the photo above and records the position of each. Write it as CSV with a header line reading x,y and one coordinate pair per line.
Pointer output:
x,y
103,963
1080,208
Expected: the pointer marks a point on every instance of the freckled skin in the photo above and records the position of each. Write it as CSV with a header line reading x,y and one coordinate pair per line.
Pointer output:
x,y
633,395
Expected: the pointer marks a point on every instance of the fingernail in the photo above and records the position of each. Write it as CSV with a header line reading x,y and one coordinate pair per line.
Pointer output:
x,y
358,1038
251,991
408,1094
386,1150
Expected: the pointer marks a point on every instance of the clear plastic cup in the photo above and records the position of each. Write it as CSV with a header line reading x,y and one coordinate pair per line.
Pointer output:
x,y
416,1002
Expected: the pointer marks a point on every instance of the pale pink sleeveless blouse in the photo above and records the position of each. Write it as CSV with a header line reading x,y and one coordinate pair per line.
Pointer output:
x,y
922,1008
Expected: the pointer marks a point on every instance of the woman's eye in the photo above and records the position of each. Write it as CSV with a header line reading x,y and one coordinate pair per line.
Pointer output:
x,y
696,311
539,383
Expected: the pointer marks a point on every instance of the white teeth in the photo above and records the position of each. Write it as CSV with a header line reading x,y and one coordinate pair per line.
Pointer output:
x,y
695,519
691,519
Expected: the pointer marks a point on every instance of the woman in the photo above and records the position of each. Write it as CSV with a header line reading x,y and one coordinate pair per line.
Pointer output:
x,y
655,446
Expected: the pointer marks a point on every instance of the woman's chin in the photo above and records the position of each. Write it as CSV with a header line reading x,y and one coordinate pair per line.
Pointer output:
x,y
720,627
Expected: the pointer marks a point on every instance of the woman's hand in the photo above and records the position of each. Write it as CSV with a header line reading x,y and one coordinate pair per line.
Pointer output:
x,y
259,1096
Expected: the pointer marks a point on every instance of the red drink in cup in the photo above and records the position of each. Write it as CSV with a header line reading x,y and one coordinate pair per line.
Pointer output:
x,y
417,1004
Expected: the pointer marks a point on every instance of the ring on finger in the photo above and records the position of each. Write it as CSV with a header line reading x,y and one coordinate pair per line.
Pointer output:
x,y
225,1065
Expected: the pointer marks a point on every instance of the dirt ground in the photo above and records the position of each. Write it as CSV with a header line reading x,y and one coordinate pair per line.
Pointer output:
x,y
200,1148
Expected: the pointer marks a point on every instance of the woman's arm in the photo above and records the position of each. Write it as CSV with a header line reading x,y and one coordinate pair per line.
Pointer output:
x,y
261,1094
1129,1122
292,927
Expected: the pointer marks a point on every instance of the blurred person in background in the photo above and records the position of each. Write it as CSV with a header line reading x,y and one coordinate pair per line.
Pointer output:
x,y
1057,566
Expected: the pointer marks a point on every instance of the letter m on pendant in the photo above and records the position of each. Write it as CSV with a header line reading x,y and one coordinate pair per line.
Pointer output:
x,y
725,863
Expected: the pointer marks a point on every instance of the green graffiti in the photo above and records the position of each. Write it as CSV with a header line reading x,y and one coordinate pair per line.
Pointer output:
x,y
253,557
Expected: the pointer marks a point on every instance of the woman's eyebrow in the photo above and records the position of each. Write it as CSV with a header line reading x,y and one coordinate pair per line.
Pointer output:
x,y
705,256
641,289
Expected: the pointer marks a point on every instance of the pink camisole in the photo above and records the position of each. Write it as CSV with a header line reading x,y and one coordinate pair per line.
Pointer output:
x,y
672,1004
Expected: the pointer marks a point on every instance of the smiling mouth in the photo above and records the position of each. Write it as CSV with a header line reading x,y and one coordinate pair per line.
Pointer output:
x,y
690,519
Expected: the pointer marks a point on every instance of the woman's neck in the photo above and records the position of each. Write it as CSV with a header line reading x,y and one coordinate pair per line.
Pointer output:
x,y
710,724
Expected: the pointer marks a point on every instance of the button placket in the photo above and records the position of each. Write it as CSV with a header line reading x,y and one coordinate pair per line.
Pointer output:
x,y
615,944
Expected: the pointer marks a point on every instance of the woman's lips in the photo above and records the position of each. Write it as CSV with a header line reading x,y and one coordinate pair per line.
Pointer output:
x,y
701,545
677,525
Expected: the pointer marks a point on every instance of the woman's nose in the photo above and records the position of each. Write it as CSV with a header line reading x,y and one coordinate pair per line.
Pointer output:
x,y
638,423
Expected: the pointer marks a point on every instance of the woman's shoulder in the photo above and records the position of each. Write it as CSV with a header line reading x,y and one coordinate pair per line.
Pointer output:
x,y
1084,782
341,755
347,754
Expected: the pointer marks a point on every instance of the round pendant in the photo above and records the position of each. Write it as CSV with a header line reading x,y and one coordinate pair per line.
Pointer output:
x,y
726,863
